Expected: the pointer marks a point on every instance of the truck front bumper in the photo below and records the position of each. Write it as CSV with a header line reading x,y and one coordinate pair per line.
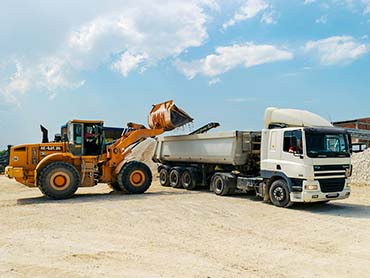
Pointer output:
x,y
318,196
14,172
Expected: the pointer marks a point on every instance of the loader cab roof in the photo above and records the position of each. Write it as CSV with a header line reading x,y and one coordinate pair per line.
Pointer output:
x,y
87,121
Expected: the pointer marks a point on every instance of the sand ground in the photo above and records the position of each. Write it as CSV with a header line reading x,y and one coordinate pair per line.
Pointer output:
x,y
176,233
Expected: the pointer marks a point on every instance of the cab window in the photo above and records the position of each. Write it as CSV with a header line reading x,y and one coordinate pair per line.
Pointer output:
x,y
293,141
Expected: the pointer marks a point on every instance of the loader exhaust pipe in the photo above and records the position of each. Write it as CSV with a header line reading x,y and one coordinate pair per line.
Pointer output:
x,y
45,138
167,116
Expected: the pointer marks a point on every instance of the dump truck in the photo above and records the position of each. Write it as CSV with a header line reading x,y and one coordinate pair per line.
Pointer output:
x,y
59,168
297,157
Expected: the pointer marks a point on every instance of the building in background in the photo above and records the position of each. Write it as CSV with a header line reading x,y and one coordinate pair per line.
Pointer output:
x,y
360,132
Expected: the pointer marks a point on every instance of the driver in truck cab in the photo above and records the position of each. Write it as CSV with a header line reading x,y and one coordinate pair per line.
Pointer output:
x,y
296,147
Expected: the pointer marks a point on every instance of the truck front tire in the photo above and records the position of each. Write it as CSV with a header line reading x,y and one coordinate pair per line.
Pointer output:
x,y
279,194
58,180
135,177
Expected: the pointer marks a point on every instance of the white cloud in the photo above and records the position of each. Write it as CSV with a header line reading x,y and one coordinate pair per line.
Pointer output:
x,y
229,57
18,84
128,62
136,35
214,81
53,74
269,17
322,19
248,10
145,34
47,75
309,1
337,49
366,6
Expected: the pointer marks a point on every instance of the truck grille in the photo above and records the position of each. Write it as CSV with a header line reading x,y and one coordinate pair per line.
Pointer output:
x,y
331,185
332,171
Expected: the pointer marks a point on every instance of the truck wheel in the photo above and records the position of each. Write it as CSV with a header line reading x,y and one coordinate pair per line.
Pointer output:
x,y
164,177
174,178
219,185
187,180
58,180
279,194
135,177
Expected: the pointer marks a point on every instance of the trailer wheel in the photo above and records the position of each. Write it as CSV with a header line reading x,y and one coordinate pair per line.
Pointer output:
x,y
58,180
174,177
135,177
219,185
164,177
188,180
279,194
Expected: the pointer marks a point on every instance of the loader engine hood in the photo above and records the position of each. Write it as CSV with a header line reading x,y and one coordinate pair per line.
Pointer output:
x,y
167,116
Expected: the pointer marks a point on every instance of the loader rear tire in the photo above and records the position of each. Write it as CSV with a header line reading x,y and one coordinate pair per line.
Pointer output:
x,y
58,180
135,177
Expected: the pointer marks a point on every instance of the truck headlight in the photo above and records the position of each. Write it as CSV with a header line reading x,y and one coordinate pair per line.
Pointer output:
x,y
311,187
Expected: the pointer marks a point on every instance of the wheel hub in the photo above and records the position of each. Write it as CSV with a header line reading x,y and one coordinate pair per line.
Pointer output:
x,y
137,178
60,180
186,179
219,184
279,194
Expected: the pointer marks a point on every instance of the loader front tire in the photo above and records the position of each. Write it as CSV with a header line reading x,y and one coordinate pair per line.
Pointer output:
x,y
58,180
135,177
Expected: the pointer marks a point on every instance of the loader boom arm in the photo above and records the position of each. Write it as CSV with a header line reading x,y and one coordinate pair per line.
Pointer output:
x,y
118,151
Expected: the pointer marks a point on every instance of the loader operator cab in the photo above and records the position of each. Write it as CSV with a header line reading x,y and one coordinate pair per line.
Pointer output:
x,y
85,137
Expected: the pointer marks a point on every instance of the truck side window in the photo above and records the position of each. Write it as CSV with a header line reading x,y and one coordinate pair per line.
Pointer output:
x,y
293,141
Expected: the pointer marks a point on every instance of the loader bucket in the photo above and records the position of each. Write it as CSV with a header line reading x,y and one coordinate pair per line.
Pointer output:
x,y
167,116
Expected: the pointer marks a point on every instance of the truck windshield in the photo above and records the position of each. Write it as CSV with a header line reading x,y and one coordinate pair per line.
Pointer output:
x,y
320,144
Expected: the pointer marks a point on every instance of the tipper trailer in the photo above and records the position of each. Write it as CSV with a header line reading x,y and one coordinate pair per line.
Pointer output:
x,y
297,157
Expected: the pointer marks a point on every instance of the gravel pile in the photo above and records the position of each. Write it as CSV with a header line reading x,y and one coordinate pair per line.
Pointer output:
x,y
144,152
361,168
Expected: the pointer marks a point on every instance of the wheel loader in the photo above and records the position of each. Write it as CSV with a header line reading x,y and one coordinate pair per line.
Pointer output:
x,y
82,158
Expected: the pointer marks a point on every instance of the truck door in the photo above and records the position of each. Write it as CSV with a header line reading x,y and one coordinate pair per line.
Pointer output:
x,y
292,154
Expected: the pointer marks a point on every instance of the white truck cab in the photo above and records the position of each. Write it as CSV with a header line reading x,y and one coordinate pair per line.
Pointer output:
x,y
308,153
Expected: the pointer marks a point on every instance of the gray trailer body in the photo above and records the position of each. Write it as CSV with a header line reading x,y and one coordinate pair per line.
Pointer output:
x,y
235,148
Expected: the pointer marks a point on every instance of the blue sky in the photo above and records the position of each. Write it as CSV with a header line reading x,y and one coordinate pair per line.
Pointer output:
x,y
220,60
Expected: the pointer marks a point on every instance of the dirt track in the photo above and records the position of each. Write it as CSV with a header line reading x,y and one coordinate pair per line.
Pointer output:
x,y
176,233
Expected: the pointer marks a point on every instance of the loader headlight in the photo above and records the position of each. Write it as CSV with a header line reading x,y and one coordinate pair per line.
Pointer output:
x,y
311,187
